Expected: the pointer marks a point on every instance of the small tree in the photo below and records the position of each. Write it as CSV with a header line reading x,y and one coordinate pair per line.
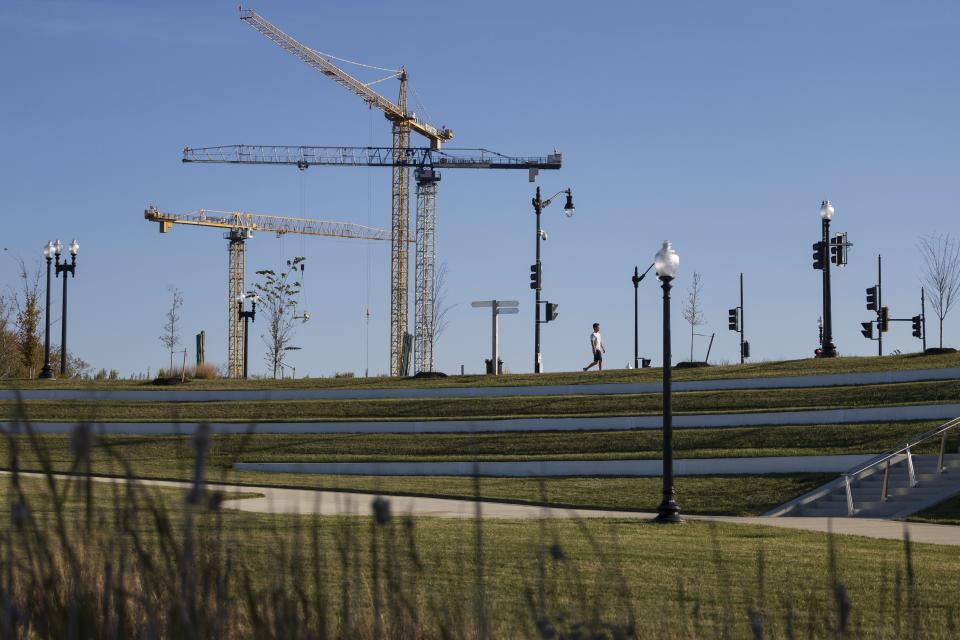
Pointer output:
x,y
27,321
278,298
440,307
941,273
170,338
692,307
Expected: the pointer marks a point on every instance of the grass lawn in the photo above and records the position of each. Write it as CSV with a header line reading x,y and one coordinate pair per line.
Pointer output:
x,y
694,580
811,366
947,512
163,451
494,408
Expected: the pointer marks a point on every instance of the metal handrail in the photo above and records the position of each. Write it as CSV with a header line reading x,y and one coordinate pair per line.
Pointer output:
x,y
886,459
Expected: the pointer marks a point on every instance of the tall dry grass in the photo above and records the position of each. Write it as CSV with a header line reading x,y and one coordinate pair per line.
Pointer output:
x,y
87,559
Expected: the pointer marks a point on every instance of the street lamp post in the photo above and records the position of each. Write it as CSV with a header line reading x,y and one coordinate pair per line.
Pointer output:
x,y
828,349
536,270
636,279
65,268
47,373
667,263
247,317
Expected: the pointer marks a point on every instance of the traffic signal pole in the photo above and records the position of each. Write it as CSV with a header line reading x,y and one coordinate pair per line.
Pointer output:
x,y
923,318
879,304
741,317
829,349
538,208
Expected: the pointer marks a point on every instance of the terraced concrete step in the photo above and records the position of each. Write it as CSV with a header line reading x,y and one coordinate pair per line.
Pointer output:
x,y
903,499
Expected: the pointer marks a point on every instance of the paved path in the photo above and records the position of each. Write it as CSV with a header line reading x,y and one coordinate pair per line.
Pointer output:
x,y
305,501
200,395
689,421
568,468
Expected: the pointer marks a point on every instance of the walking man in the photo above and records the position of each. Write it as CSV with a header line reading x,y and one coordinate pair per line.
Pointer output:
x,y
596,346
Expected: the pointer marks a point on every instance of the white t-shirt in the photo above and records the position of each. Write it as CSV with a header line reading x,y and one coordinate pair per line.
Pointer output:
x,y
596,341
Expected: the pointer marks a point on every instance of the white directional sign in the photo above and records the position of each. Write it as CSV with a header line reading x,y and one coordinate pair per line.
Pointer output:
x,y
497,308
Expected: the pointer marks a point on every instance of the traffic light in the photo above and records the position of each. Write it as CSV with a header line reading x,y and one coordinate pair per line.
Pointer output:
x,y
872,298
867,330
535,276
917,326
838,250
818,256
746,349
883,321
552,311
733,319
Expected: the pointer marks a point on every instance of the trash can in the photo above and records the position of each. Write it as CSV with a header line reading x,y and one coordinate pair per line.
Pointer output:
x,y
489,364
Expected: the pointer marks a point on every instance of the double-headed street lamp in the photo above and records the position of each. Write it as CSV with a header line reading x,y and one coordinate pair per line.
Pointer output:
x,y
47,372
667,263
536,270
65,268
247,317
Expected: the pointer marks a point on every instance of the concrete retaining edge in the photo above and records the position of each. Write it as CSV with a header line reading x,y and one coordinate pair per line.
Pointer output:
x,y
828,416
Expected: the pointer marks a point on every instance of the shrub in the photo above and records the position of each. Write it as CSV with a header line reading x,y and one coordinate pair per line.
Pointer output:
x,y
203,371
343,374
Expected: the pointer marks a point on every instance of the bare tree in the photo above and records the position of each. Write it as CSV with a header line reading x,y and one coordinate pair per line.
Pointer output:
x,y
692,307
170,338
440,307
941,273
8,341
278,295
28,308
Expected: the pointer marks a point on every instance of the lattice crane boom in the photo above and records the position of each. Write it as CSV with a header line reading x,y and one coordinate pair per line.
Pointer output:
x,y
304,157
240,226
393,111
263,222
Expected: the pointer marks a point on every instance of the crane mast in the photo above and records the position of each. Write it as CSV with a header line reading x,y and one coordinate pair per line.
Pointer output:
x,y
403,123
240,227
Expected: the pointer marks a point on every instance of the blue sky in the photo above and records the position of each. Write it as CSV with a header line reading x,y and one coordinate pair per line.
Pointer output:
x,y
719,126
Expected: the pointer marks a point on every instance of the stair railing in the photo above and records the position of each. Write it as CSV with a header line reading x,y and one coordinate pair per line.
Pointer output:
x,y
886,459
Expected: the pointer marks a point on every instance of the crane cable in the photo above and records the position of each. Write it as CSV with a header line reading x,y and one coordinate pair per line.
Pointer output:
x,y
359,64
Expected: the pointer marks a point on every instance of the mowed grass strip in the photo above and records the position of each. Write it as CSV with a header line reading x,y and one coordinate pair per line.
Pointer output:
x,y
552,445
491,408
808,366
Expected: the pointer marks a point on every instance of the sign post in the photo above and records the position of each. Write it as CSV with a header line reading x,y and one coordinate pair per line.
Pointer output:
x,y
497,307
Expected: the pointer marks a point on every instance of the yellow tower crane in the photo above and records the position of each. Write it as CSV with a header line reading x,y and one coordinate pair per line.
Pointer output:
x,y
240,227
403,123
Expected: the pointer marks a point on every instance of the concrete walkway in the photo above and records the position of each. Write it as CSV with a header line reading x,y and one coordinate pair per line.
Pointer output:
x,y
305,502
569,468
689,421
228,395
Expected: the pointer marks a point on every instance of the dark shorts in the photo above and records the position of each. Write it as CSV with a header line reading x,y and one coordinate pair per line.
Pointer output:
x,y
598,356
